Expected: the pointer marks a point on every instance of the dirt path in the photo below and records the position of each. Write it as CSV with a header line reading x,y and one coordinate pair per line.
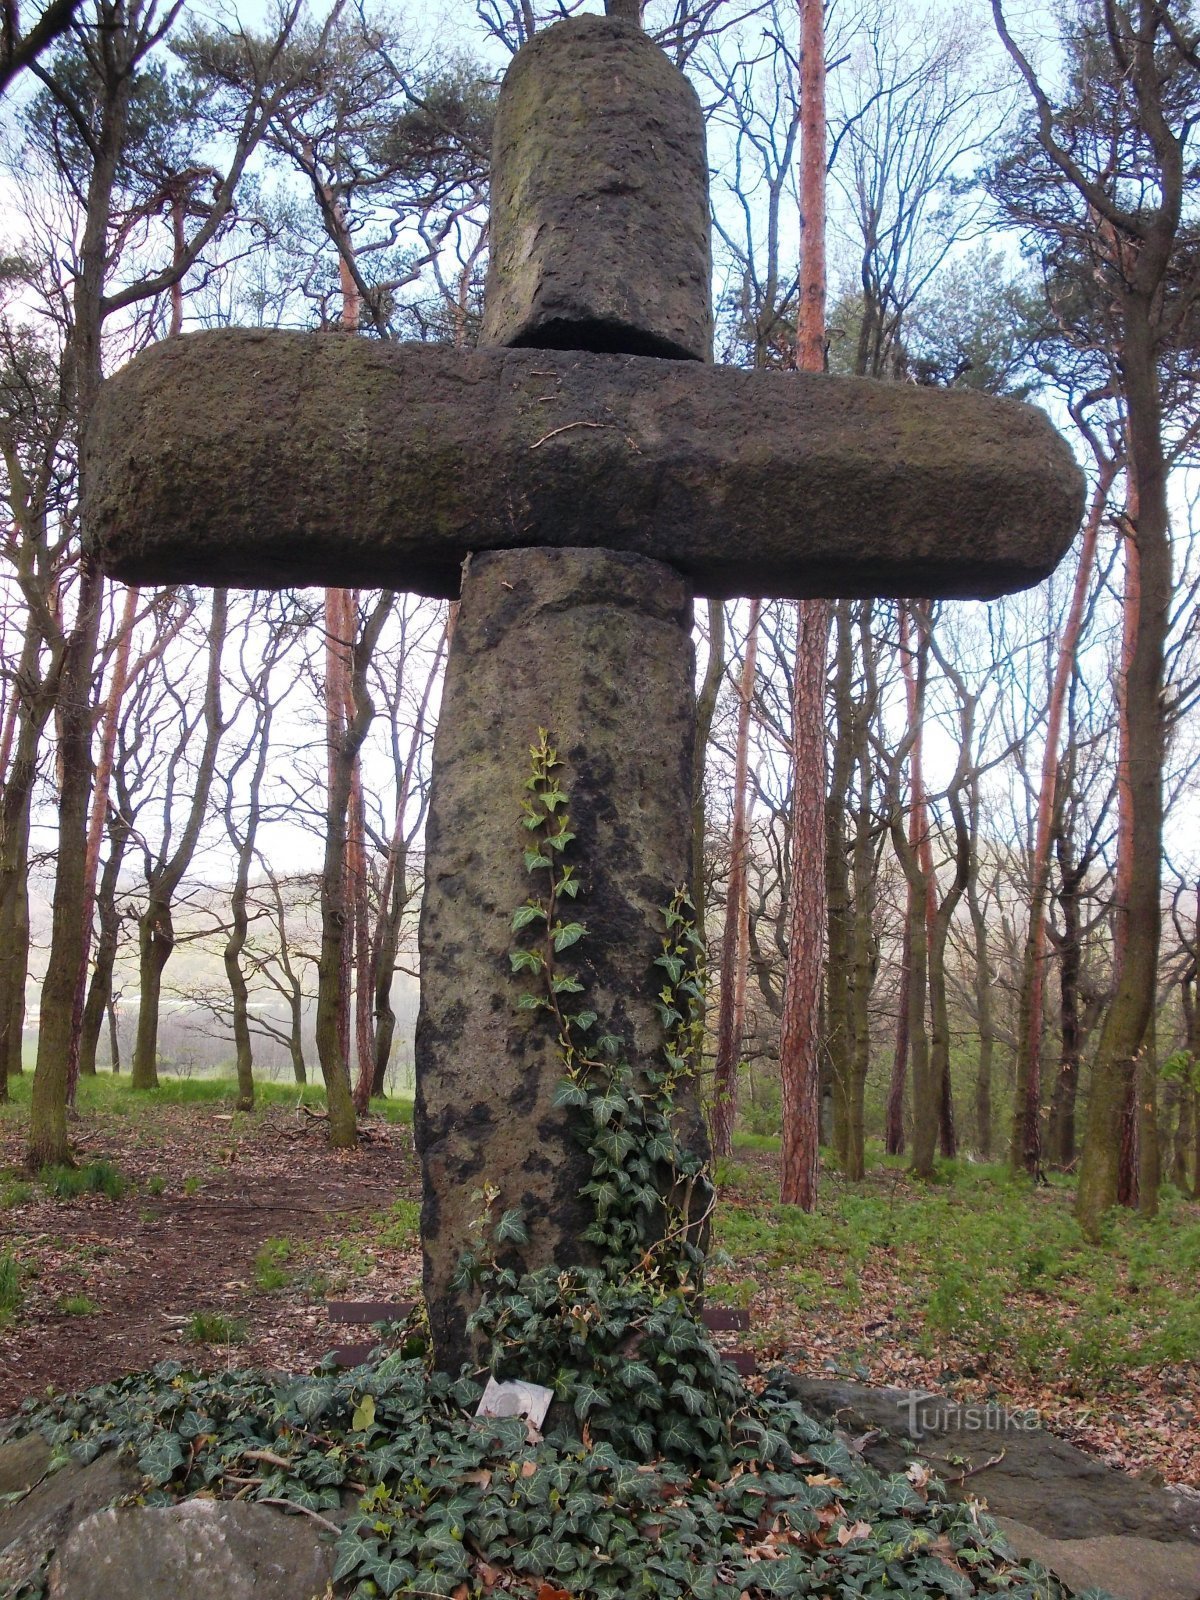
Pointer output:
x,y
110,1286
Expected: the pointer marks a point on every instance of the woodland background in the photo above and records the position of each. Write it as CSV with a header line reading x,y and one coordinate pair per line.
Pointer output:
x,y
211,803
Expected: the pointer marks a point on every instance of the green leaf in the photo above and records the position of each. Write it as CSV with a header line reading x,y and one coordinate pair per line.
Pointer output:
x,y
161,1457
674,967
570,1093
587,1398
565,984
526,960
511,1228
526,914
535,859
567,934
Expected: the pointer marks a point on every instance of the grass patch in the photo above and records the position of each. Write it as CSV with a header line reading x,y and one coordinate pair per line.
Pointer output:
x,y
98,1177
78,1305
401,1228
981,1269
270,1265
11,1293
214,1327
15,1193
743,1140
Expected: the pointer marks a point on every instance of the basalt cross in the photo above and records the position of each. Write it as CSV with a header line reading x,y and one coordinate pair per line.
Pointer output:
x,y
578,478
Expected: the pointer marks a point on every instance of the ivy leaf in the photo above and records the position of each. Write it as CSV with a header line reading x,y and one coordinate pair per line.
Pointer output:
x,y
570,1093
353,1552
161,1457
526,914
674,967
564,984
535,859
584,1020
587,1398
389,1575
567,934
511,1229
525,960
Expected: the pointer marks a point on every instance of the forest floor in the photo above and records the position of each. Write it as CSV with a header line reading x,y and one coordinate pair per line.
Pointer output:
x,y
214,1237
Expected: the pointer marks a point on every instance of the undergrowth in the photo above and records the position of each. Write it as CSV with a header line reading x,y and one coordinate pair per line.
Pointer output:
x,y
659,1476
991,1265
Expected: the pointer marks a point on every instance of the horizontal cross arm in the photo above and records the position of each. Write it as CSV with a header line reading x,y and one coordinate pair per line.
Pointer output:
x,y
271,459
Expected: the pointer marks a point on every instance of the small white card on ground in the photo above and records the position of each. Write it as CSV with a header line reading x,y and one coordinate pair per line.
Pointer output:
x,y
516,1399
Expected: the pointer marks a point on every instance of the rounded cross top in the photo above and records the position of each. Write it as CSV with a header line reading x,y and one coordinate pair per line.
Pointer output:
x,y
600,223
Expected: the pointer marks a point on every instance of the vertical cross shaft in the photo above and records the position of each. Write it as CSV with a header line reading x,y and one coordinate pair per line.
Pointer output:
x,y
599,241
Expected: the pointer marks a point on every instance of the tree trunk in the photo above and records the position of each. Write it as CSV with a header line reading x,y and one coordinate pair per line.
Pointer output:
x,y
706,706
156,940
1060,1137
99,815
839,906
346,741
1025,1148
1141,764
799,1029
734,937
799,1032
894,1127
99,994
156,930
985,1020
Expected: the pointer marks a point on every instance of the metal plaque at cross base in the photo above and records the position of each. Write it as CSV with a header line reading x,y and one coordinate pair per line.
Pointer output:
x,y
576,480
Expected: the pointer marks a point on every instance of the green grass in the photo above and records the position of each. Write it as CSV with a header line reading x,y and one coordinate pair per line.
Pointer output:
x,y
742,1140
214,1327
15,1193
78,1305
113,1096
192,1185
11,1293
401,1228
98,1177
983,1263
270,1265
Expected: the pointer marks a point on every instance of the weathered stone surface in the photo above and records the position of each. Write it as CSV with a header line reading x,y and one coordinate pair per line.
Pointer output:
x,y
32,1527
596,648
267,458
22,1463
198,1550
1123,1565
1040,1479
599,226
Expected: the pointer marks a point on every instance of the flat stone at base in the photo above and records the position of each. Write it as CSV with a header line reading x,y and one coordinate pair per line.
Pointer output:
x,y
22,1463
197,1550
1124,1566
595,647
33,1526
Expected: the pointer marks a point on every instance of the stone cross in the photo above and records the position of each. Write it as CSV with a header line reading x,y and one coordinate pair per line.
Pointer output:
x,y
577,479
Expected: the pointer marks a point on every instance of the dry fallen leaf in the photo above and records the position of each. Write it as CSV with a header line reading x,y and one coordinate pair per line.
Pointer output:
x,y
856,1530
